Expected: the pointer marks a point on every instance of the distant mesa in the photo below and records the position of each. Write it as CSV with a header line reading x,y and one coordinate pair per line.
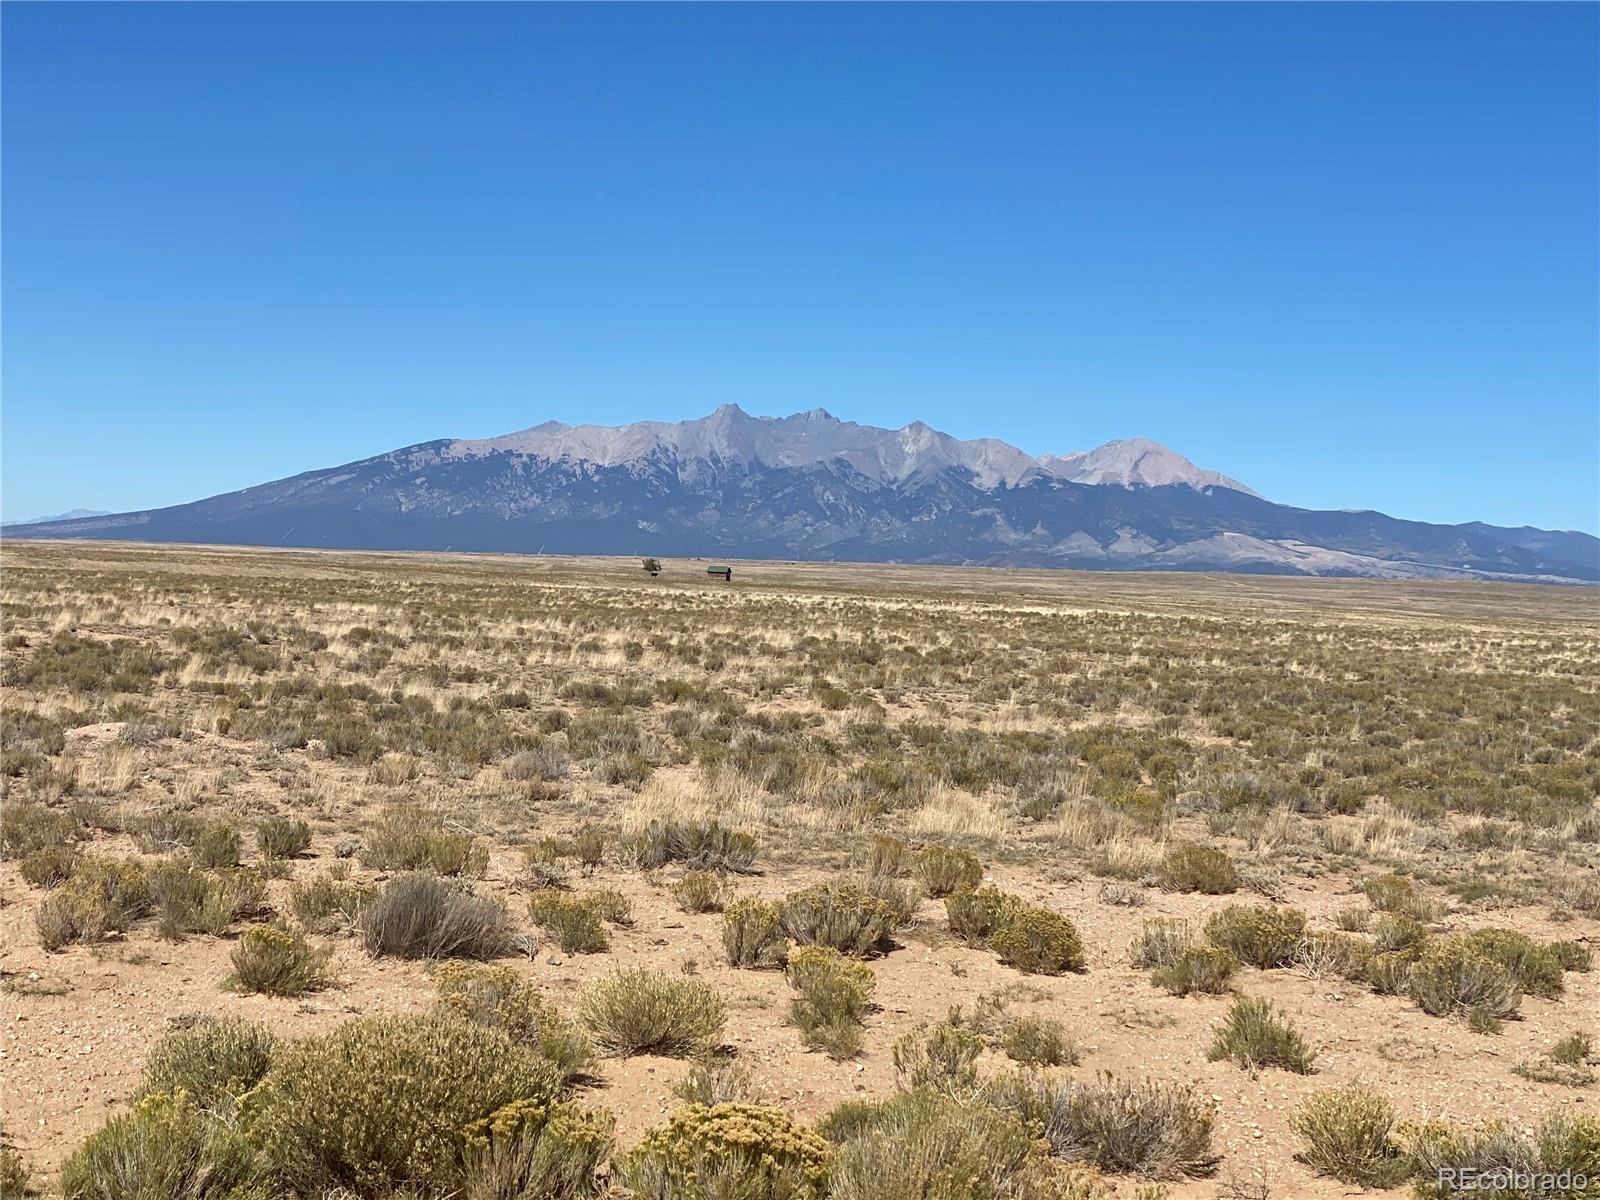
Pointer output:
x,y
814,487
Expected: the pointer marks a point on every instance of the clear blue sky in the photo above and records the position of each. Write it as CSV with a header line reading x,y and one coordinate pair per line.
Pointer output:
x,y
1346,253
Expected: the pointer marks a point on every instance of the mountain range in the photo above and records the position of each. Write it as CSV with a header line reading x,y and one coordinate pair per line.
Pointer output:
x,y
813,487
71,514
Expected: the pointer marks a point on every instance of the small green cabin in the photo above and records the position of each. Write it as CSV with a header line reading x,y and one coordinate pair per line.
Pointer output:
x,y
719,571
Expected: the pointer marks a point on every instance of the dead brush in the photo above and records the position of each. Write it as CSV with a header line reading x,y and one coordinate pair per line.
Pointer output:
x,y
1323,955
1161,941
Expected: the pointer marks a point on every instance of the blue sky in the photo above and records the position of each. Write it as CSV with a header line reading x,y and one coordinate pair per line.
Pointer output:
x,y
1346,253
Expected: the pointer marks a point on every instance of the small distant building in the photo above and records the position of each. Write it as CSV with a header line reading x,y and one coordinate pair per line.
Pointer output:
x,y
719,571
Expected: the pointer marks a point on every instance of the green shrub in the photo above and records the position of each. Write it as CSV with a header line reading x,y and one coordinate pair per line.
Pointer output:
x,y
1037,941
1454,975
1202,970
839,915
611,906
699,845
1038,1042
942,1059
535,1150
325,905
217,847
277,962
407,839
944,869
1547,1070
27,827
1534,968
282,837
1397,894
50,866
1148,1128
641,1011
589,847
212,1062
1353,920
1559,1145
1573,956
423,916
835,993
1254,1036
16,1176
573,922
102,897
1349,1133
164,830
72,915
165,1147
902,897
546,763
1397,934
500,998
1390,974
544,866
381,1102
888,856
738,1151
926,1145
1260,936
1566,1063
1569,1144
717,1080
1027,936
182,897
1573,1050
1481,1020
700,892
1203,869
624,768
189,900
752,934
1161,942
88,665
974,916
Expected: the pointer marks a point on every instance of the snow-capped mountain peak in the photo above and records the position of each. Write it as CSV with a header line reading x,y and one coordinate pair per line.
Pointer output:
x,y
729,436
1136,462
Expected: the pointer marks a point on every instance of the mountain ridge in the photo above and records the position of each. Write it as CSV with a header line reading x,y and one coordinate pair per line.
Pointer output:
x,y
72,514
810,486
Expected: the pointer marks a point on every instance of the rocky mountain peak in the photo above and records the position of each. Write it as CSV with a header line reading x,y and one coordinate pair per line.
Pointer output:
x,y
732,437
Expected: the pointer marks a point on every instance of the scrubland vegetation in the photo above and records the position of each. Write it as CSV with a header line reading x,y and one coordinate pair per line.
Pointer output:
x,y
429,876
